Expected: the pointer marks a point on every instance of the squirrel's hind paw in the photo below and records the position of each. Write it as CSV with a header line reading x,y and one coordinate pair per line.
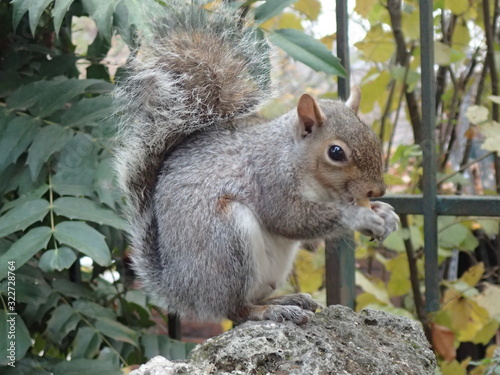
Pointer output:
x,y
280,313
302,300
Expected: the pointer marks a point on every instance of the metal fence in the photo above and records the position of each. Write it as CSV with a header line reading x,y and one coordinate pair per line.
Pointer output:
x,y
340,263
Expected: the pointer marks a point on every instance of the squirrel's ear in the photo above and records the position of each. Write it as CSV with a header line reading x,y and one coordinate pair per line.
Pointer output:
x,y
354,99
310,116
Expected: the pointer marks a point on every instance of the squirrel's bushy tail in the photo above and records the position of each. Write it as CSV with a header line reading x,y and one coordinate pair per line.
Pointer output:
x,y
195,68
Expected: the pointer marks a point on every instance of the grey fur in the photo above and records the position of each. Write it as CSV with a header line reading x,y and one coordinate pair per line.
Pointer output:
x,y
216,198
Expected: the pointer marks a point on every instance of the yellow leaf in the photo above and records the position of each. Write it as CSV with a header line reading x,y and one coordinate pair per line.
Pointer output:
x,y
310,277
328,40
477,114
473,274
489,298
478,318
365,299
470,14
491,132
311,8
399,282
458,307
364,7
442,53
375,91
289,21
226,325
452,368
378,45
486,333
391,179
375,287
494,99
457,6
461,37
271,24
411,24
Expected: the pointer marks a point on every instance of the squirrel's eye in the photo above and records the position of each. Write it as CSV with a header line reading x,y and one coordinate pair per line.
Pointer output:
x,y
336,153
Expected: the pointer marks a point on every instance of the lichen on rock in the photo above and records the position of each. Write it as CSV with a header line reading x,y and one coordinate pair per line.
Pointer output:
x,y
335,341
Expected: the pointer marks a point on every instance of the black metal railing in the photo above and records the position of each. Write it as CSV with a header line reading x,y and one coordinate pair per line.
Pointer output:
x,y
340,262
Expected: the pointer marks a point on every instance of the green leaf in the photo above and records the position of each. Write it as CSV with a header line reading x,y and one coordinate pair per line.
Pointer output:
x,y
22,216
412,78
86,344
19,343
162,345
26,96
88,111
71,289
60,91
24,248
270,9
35,12
85,209
16,138
64,319
307,50
104,184
76,167
29,196
453,236
58,259
59,11
117,331
31,288
102,13
93,310
395,240
86,367
45,97
49,140
20,8
35,8
85,239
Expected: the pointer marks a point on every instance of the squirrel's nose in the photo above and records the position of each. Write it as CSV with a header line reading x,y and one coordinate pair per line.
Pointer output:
x,y
376,192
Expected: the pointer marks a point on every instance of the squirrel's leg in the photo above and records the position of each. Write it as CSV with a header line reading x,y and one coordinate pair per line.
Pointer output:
x,y
277,313
302,300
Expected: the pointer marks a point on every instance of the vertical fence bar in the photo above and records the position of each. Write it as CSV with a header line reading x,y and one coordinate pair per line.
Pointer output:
x,y
343,47
429,155
340,262
174,327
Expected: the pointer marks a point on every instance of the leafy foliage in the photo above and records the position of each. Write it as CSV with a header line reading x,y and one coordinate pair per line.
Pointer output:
x,y
60,225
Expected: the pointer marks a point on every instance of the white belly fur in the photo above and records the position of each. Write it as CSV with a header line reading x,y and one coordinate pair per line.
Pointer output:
x,y
272,255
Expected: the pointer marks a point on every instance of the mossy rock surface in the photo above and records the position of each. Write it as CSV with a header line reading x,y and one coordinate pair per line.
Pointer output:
x,y
336,341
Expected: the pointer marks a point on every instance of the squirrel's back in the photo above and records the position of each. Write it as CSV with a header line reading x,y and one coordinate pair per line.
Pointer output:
x,y
195,68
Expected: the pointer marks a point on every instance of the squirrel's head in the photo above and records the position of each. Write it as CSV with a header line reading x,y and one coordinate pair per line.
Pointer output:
x,y
344,156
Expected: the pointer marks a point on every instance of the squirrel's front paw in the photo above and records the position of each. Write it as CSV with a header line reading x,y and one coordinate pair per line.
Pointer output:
x,y
365,220
373,226
386,212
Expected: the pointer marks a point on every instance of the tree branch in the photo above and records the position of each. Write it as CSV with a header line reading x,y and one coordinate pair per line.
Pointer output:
x,y
415,285
402,58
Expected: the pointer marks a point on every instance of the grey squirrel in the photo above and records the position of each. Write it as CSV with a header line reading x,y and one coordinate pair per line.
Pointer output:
x,y
218,199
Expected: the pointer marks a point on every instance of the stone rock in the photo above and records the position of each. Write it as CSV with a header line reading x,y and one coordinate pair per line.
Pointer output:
x,y
336,341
